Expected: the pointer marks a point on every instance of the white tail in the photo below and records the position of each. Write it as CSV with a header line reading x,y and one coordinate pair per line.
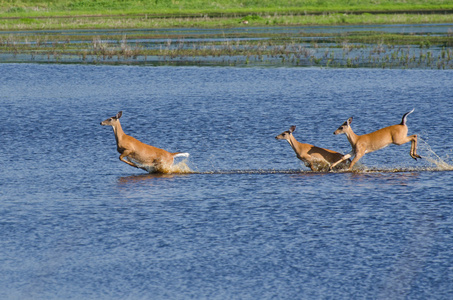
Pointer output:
x,y
138,154
361,144
316,158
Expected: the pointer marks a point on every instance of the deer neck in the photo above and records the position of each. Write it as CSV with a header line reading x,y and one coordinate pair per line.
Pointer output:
x,y
352,137
118,131
293,142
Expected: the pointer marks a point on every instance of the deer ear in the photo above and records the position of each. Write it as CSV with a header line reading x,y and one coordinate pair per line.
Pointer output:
x,y
119,114
291,130
349,121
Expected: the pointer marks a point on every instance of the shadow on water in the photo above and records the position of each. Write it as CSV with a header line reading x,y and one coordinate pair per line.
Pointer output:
x,y
135,179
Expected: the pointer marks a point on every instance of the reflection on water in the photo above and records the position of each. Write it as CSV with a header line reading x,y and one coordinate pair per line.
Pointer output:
x,y
357,173
376,179
144,178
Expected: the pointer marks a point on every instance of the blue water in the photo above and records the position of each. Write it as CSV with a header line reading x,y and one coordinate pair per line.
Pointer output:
x,y
251,221
433,29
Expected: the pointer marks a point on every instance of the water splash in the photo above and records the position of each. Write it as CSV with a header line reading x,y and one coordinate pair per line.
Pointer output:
x,y
177,168
184,169
434,163
433,158
255,171
181,167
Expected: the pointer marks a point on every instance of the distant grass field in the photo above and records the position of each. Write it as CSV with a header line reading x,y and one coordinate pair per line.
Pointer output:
x,y
178,7
76,14
210,6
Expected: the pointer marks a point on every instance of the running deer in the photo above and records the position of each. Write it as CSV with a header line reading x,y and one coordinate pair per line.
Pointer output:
x,y
361,144
138,154
317,159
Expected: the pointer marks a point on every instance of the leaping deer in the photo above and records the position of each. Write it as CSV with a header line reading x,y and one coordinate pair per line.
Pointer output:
x,y
361,144
316,158
138,154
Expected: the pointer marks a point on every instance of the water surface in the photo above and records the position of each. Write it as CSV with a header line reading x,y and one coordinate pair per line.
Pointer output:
x,y
251,221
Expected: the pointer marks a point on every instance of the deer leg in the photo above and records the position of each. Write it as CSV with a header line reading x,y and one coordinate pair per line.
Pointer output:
x,y
312,166
413,140
359,153
125,154
413,153
345,157
356,159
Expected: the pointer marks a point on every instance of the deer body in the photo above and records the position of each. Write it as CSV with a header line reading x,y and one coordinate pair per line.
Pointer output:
x,y
138,154
316,158
361,144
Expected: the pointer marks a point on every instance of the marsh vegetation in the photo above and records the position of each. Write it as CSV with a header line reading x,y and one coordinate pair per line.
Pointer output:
x,y
240,47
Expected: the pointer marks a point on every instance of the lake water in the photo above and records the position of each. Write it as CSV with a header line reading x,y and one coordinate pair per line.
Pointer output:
x,y
250,221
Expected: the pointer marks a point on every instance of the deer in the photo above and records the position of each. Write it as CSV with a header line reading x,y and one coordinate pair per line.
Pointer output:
x,y
138,154
381,138
316,158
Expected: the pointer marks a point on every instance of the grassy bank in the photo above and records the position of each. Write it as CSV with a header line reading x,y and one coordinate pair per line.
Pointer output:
x,y
73,14
207,6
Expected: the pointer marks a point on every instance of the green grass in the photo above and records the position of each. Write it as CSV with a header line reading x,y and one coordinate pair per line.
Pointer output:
x,y
34,8
219,5
85,14
115,22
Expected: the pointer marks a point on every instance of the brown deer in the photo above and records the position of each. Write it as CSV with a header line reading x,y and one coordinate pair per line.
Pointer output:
x,y
316,158
138,154
361,144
